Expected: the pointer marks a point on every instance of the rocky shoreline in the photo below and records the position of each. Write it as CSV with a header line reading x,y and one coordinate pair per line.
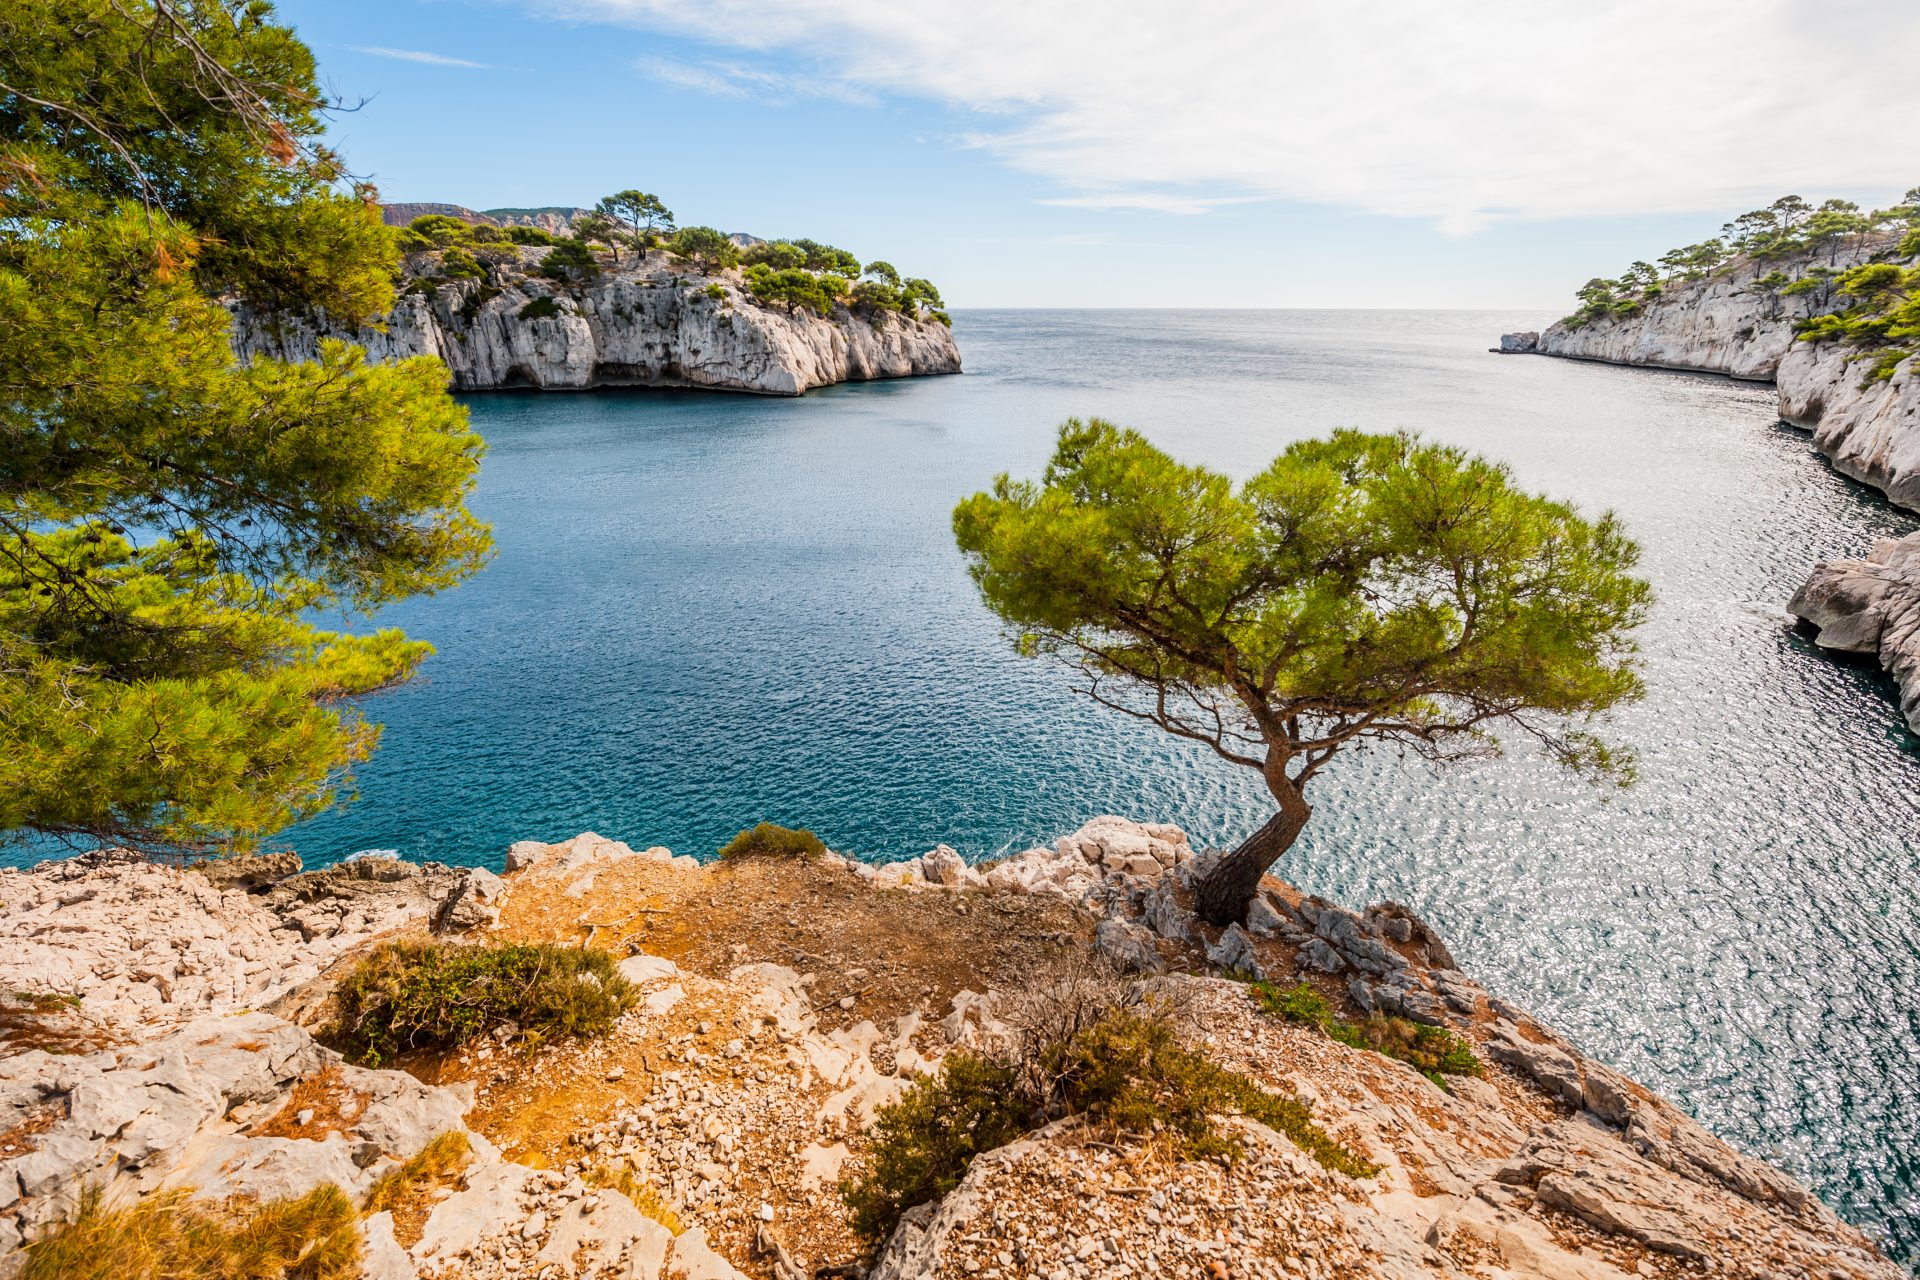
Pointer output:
x,y
650,321
782,1003
1868,429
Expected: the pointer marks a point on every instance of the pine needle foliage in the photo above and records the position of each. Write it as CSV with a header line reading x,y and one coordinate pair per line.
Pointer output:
x,y
172,519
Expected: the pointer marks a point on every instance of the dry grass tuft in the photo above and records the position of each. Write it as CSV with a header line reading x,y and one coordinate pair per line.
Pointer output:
x,y
409,1192
645,1198
170,1236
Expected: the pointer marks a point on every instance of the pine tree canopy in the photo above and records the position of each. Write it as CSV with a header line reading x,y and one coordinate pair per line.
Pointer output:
x,y
172,521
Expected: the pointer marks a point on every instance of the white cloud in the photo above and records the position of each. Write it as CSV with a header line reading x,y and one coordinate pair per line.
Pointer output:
x,y
420,55
1461,111
734,80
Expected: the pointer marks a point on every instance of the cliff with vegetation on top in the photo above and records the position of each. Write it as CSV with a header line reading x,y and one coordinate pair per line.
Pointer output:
x,y
518,307
1825,303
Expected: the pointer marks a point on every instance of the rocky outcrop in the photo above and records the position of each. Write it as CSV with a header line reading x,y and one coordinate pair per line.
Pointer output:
x,y
704,1136
1869,428
1871,607
652,323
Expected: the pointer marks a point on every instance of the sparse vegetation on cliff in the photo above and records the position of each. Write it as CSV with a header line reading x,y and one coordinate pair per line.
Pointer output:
x,y
435,995
170,1236
1434,1052
1124,1071
1872,306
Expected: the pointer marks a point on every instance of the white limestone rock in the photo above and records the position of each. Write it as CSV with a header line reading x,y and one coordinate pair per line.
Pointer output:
x,y
1871,606
650,323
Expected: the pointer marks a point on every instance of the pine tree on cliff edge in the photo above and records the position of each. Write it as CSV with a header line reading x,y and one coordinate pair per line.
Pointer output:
x,y
170,518
1362,590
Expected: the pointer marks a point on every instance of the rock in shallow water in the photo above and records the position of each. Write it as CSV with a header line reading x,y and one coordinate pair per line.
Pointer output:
x,y
1871,607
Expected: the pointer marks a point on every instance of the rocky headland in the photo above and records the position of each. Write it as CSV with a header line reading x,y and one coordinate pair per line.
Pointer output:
x,y
166,1029
647,321
1733,322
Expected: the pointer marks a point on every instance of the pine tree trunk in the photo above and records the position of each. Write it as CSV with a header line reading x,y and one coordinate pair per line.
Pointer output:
x,y
1222,895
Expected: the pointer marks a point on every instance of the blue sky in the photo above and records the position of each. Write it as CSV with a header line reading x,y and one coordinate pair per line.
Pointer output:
x,y
1377,153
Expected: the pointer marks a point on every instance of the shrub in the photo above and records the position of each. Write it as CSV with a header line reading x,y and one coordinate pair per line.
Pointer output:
x,y
923,1144
458,264
437,995
1433,1051
569,259
769,840
716,291
1125,1070
539,309
170,1236
528,235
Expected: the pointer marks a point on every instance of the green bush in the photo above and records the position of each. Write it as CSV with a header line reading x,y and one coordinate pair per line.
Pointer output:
x,y
540,308
922,1145
1125,1071
437,995
768,840
716,291
528,235
1433,1051
569,259
458,264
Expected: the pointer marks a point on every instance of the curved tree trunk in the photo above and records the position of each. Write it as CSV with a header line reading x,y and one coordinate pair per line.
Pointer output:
x,y
1223,893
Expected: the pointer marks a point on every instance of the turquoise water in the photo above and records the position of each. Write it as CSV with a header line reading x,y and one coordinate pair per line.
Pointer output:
x,y
710,610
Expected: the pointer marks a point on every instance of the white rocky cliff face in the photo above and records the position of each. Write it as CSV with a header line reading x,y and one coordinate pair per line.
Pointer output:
x,y
644,324
1728,323
1868,428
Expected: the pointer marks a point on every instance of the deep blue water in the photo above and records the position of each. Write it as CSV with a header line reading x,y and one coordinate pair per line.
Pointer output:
x,y
709,610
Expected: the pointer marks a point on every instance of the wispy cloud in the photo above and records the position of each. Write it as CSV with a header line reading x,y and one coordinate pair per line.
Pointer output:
x,y
735,80
421,55
1461,113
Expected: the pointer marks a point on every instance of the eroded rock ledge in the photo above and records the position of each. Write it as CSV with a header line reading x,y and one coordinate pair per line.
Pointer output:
x,y
646,323
783,1002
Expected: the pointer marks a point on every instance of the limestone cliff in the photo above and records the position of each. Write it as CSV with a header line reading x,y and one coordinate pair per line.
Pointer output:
x,y
1868,428
780,1004
1730,323
651,323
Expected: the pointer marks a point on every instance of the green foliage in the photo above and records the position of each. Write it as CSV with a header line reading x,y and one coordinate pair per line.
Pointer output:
x,y
458,264
529,235
884,273
768,840
777,254
171,520
826,258
921,1146
539,309
641,213
1125,1071
1883,319
1433,1051
169,1235
793,288
1362,589
708,248
715,291
570,259
437,995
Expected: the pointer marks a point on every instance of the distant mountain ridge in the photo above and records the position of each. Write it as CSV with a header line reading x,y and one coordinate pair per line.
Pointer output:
x,y
555,218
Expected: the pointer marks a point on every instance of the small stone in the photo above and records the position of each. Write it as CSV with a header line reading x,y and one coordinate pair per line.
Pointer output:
x,y
618,1073
846,1002
766,1212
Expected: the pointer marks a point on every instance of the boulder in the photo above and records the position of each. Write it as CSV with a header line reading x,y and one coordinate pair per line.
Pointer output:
x,y
1127,946
1234,952
1522,342
943,866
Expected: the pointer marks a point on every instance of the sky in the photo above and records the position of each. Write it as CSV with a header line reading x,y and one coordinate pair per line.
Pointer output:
x,y
1103,153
